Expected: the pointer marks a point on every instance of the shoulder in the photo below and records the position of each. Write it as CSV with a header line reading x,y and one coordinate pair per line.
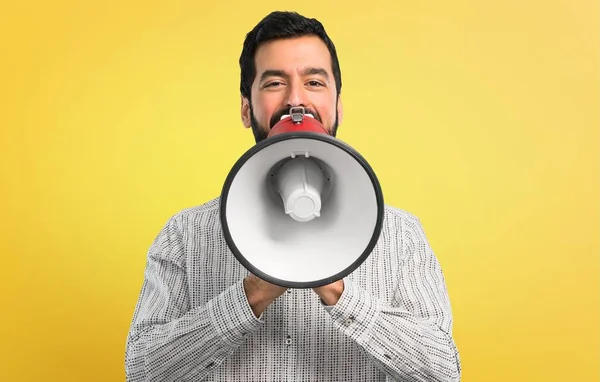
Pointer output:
x,y
198,221
397,213
400,217
198,216
404,223
209,207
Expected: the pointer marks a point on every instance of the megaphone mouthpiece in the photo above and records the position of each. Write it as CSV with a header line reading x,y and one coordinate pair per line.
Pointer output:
x,y
296,119
295,122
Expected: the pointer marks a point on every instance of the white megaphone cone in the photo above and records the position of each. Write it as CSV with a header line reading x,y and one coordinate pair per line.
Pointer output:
x,y
301,209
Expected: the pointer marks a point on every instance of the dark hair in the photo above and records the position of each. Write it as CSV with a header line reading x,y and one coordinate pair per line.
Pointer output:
x,y
279,25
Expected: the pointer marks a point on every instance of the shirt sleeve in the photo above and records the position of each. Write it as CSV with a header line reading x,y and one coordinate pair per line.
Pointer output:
x,y
409,338
167,340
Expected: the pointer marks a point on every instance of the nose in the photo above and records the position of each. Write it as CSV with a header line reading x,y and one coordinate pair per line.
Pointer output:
x,y
296,95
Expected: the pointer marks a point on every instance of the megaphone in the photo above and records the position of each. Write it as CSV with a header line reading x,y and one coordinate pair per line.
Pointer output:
x,y
301,209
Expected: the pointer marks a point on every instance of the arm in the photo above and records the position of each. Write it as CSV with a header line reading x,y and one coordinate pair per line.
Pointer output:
x,y
171,341
410,339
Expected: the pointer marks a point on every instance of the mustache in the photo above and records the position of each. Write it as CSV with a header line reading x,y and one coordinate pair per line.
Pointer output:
x,y
283,111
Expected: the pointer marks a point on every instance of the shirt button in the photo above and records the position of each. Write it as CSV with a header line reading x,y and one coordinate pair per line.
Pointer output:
x,y
349,320
288,340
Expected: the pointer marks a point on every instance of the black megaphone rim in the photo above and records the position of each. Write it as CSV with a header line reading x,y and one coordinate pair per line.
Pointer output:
x,y
305,135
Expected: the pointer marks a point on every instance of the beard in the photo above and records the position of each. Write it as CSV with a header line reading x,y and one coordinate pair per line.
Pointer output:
x,y
262,132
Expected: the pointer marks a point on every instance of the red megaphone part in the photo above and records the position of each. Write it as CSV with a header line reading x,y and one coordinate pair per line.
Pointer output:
x,y
297,121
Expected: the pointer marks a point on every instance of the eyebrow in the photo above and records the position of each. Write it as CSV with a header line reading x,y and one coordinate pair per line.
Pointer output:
x,y
306,72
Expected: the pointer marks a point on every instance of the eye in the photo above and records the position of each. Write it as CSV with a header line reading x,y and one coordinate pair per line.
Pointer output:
x,y
314,83
273,84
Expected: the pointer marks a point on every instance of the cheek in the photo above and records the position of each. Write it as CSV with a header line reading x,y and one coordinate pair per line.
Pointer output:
x,y
264,108
326,105
328,112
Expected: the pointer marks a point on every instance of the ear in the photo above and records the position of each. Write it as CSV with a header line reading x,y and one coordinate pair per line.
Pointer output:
x,y
245,112
340,110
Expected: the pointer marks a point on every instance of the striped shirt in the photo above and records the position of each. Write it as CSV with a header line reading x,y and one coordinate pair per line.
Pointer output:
x,y
192,321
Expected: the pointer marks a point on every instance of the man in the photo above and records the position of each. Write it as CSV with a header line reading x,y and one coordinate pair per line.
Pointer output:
x,y
202,317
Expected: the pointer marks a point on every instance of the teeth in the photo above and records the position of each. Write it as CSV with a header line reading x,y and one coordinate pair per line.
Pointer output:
x,y
287,115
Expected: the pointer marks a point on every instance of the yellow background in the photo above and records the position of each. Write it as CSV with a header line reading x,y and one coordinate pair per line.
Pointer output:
x,y
479,117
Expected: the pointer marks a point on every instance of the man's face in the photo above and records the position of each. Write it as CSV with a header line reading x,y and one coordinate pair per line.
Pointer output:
x,y
292,72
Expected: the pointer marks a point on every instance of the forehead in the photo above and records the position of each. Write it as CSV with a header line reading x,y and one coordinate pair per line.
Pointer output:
x,y
293,54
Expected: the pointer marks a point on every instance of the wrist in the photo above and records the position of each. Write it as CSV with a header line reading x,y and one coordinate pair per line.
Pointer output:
x,y
331,293
255,298
260,294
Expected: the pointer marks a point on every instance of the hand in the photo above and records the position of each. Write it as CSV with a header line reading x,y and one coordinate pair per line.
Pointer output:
x,y
261,293
330,293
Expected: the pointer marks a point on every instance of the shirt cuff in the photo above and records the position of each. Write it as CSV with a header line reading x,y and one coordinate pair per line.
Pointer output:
x,y
231,316
355,312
